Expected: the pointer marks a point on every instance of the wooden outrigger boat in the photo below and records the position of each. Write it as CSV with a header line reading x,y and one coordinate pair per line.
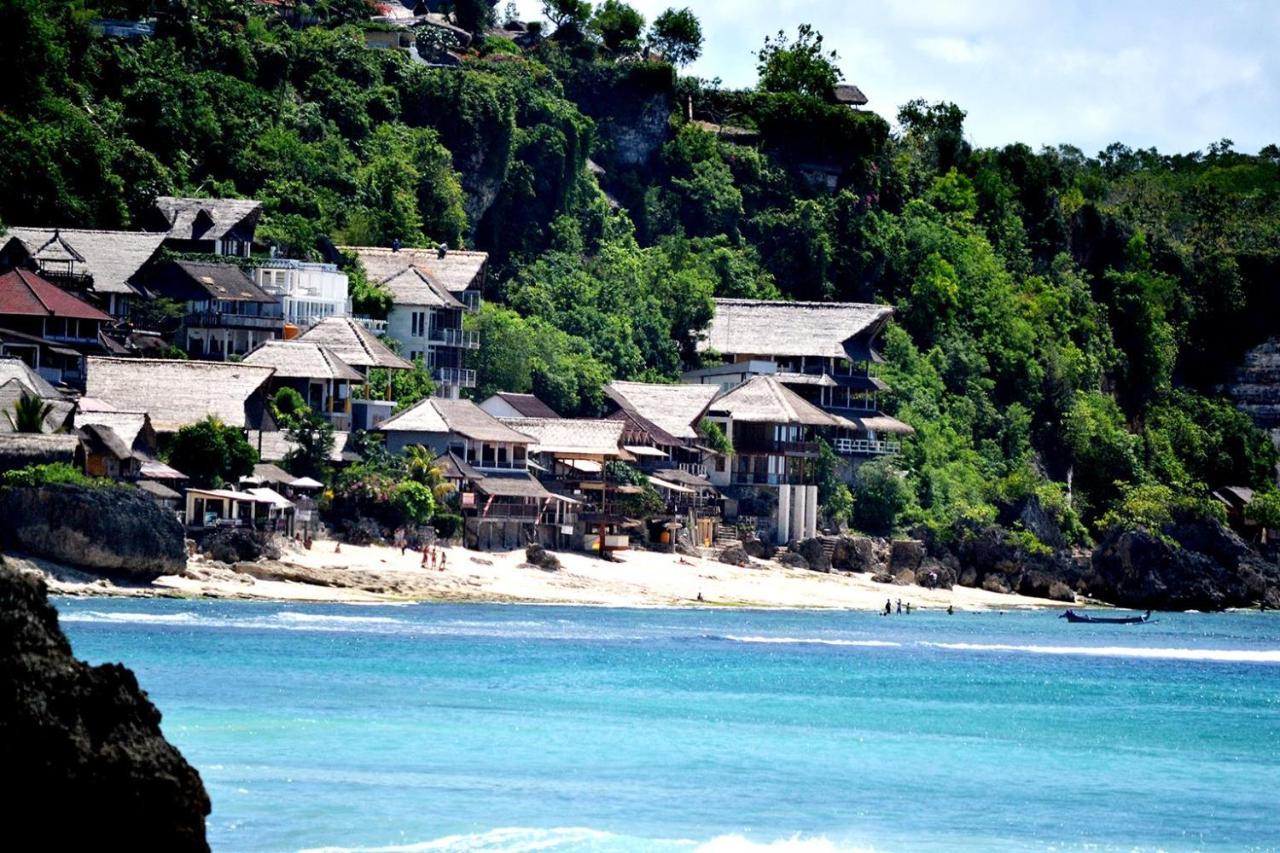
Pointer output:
x,y
1072,616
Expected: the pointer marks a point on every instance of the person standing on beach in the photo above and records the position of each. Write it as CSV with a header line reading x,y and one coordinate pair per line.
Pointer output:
x,y
426,550
443,558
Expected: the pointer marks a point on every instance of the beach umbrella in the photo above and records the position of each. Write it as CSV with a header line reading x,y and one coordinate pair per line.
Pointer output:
x,y
306,483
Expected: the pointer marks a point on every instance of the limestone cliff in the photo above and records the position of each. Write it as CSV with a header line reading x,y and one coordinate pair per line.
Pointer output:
x,y
86,764
115,531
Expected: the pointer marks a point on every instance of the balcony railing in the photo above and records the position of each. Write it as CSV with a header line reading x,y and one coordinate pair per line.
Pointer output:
x,y
378,327
454,338
220,320
510,512
866,447
460,376
777,448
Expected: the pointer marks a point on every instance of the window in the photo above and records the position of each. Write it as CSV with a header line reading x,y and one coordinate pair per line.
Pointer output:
x,y
418,324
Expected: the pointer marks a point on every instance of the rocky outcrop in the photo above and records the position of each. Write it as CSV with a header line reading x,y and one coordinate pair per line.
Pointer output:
x,y
861,554
793,560
81,747
814,551
1197,565
734,555
759,549
113,531
239,544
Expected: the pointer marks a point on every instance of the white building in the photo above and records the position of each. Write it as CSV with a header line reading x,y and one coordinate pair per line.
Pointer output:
x,y
308,291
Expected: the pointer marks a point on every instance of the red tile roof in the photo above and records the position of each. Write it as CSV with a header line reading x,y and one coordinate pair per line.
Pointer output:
x,y
23,292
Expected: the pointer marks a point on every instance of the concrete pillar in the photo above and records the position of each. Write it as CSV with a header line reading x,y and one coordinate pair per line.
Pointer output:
x,y
797,512
811,511
784,514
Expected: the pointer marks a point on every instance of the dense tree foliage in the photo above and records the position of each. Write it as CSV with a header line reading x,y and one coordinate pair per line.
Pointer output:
x,y
211,453
1064,322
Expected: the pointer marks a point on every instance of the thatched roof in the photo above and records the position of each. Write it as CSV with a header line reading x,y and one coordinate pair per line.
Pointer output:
x,y
274,446
881,423
847,93
763,399
527,405
353,343
456,271
206,218
176,393
16,368
684,478
511,486
572,437
265,472
670,412
129,426
111,257
158,490
100,439
198,281
821,329
154,470
461,417
301,360
413,286
19,449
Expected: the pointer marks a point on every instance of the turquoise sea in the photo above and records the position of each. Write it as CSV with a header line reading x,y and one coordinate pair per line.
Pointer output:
x,y
486,727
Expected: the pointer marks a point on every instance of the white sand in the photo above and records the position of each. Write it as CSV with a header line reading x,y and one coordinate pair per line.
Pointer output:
x,y
640,579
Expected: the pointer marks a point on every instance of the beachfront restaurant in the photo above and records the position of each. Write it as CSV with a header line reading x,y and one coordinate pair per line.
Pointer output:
x,y
211,508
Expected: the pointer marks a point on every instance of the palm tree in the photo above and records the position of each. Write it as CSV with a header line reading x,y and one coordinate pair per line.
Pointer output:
x,y
420,464
29,414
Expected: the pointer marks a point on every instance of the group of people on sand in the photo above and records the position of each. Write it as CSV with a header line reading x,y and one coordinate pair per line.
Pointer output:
x,y
432,556
888,608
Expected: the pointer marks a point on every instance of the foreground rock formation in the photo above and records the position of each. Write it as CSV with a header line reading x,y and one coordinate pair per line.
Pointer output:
x,y
81,747
115,531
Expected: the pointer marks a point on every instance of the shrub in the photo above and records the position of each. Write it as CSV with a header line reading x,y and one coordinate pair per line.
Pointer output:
x,y
33,476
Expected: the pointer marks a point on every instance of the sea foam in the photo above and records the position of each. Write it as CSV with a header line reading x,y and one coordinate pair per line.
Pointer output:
x,y
1210,655
584,840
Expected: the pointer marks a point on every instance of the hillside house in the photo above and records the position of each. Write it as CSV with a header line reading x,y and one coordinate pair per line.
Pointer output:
x,y
225,313
848,95
20,449
17,380
822,351
360,348
325,382
502,505
180,393
770,474
102,453
308,292
47,327
431,292
662,423
209,226
98,265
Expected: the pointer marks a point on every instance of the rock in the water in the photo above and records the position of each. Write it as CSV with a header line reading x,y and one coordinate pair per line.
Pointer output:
x,y
115,531
542,558
81,746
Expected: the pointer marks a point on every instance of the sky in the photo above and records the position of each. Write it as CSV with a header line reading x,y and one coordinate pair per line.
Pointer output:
x,y
1174,75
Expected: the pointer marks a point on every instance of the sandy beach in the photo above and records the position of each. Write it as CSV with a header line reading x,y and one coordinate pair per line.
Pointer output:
x,y
372,574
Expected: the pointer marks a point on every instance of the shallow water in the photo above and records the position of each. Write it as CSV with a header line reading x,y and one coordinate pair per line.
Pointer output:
x,y
484,727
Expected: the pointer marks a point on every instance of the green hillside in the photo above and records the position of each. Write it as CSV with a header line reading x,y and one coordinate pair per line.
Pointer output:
x,y
1060,317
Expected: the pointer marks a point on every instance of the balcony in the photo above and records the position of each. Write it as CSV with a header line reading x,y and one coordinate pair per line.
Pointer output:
x,y
378,327
454,338
460,376
220,320
866,447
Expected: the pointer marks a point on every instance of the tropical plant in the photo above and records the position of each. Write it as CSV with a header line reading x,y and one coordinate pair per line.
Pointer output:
x,y
211,453
29,413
